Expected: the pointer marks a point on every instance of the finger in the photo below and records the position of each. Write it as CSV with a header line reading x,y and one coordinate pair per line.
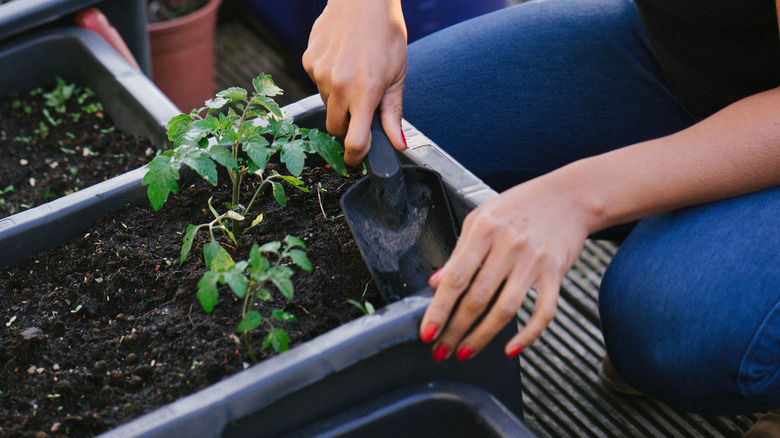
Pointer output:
x,y
337,117
391,113
477,298
544,313
358,138
503,311
453,280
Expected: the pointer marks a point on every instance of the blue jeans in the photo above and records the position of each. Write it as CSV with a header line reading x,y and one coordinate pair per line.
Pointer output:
x,y
690,306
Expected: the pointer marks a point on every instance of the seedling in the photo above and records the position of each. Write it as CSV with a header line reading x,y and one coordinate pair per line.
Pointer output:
x,y
241,132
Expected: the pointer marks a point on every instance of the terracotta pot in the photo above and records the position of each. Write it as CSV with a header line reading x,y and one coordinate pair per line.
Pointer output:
x,y
182,56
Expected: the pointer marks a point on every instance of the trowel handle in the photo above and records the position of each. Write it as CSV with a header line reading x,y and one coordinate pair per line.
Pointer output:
x,y
382,160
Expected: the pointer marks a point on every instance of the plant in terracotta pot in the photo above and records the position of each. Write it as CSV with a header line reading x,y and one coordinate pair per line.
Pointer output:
x,y
181,41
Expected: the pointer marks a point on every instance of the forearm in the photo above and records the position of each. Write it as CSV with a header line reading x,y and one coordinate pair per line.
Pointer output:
x,y
733,152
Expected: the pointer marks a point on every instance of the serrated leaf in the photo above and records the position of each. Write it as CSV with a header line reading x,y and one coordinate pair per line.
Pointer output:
x,y
235,279
256,147
329,149
217,259
251,321
162,178
177,126
217,103
272,247
294,157
277,338
207,290
200,161
264,85
280,277
233,93
279,194
299,258
189,237
281,315
264,295
269,104
293,242
223,156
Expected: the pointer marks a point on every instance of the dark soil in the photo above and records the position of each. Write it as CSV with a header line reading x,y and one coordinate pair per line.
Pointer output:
x,y
108,327
36,168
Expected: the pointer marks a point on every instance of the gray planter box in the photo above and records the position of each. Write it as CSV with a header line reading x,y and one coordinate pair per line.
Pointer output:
x,y
127,16
370,376
135,104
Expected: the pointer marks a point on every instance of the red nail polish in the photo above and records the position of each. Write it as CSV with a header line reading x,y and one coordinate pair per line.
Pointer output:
x,y
406,146
435,275
429,332
514,351
440,353
464,352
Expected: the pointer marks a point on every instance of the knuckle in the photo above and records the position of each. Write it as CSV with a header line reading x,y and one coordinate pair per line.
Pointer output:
x,y
505,311
476,300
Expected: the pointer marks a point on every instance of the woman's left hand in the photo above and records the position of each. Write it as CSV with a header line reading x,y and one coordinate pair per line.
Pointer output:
x,y
527,237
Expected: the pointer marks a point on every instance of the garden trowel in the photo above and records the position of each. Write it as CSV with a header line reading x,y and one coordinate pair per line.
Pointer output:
x,y
401,219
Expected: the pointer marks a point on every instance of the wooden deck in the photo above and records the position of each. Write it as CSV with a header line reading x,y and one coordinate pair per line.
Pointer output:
x,y
562,392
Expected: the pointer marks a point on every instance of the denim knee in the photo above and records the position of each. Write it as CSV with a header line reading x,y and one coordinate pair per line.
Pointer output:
x,y
690,306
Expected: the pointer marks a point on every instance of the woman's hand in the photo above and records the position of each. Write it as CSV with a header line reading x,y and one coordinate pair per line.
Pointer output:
x,y
527,237
357,58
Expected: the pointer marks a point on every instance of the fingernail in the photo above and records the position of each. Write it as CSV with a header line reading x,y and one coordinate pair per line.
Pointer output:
x,y
403,137
429,332
440,353
464,352
514,351
435,275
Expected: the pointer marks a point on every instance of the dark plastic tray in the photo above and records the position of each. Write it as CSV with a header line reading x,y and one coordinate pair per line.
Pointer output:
x,y
135,104
127,16
438,409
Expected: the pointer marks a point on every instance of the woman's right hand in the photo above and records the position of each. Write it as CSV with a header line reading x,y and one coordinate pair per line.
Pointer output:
x,y
357,58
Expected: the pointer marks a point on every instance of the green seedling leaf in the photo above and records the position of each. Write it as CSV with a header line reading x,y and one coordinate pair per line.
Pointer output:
x,y
162,178
207,290
294,157
235,94
256,147
200,161
251,321
223,156
293,242
264,295
235,279
189,237
299,258
279,194
217,259
295,182
277,338
257,220
329,149
280,277
281,315
272,247
264,85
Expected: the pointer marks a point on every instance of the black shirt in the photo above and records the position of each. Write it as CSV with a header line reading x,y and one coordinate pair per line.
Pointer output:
x,y
714,52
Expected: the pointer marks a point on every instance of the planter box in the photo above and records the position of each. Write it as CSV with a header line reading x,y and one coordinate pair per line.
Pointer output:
x,y
355,379
132,101
127,16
